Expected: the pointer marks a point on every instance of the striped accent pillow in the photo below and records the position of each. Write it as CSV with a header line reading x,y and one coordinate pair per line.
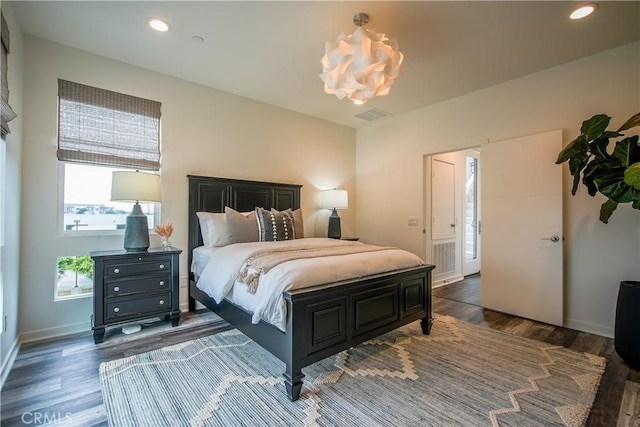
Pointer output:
x,y
273,226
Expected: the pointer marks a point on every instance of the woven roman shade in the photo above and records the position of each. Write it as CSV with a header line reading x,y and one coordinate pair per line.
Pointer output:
x,y
101,127
7,112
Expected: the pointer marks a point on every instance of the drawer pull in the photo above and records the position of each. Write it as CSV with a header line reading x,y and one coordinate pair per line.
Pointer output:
x,y
116,289
161,302
161,282
116,309
116,270
161,266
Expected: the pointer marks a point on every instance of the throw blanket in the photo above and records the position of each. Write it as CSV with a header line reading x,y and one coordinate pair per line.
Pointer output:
x,y
263,261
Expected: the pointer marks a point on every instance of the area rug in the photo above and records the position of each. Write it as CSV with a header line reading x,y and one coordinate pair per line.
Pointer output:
x,y
460,375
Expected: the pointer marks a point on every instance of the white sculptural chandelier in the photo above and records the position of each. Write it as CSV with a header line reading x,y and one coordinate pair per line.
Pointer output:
x,y
362,65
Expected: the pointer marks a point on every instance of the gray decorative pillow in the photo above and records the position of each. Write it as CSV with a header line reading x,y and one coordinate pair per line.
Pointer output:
x,y
296,216
274,225
242,228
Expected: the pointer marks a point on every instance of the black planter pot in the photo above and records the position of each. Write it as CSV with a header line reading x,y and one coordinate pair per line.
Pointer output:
x,y
627,327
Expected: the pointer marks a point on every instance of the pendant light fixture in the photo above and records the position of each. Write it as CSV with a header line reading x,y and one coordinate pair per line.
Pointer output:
x,y
362,65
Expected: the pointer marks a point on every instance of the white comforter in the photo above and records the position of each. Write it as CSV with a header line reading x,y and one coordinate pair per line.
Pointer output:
x,y
218,279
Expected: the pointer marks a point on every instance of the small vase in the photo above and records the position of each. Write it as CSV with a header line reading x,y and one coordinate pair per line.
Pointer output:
x,y
166,244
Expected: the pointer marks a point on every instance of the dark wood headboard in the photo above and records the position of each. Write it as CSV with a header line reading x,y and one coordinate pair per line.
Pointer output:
x,y
210,194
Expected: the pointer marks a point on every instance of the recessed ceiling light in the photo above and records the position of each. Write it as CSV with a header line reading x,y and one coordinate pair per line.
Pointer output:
x,y
583,11
159,24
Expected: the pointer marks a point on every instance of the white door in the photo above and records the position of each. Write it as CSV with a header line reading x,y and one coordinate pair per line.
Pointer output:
x,y
443,200
522,227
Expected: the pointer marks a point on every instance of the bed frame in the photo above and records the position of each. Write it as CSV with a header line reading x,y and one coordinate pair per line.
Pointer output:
x,y
323,320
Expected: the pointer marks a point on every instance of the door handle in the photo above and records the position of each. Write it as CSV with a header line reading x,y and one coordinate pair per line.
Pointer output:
x,y
553,238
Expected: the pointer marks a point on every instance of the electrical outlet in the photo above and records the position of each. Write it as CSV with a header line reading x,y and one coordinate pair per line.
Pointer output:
x,y
183,282
413,221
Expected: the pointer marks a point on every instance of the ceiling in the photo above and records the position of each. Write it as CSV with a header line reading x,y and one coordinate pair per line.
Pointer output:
x,y
270,51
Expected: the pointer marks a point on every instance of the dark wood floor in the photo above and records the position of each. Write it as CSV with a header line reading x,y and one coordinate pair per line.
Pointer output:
x,y
58,381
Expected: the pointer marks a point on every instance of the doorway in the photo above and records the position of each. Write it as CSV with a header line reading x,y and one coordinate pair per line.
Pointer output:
x,y
452,186
522,259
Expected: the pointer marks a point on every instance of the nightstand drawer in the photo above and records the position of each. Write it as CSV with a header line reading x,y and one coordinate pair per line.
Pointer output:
x,y
133,285
160,302
121,269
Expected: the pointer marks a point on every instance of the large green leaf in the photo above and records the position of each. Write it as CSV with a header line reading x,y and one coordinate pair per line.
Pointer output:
x,y
595,126
631,123
607,209
617,190
609,179
579,147
590,173
634,147
627,150
632,176
576,165
598,147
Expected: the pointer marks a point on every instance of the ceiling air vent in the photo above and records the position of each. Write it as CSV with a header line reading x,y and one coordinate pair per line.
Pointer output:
x,y
373,114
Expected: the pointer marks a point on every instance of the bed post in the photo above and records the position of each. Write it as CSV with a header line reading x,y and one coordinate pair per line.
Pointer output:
x,y
293,381
426,323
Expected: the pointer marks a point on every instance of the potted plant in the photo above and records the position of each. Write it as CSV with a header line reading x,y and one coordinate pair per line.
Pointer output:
x,y
615,173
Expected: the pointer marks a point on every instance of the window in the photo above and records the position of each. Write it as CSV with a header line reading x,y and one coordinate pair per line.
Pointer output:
x,y
100,131
86,200
7,112
75,277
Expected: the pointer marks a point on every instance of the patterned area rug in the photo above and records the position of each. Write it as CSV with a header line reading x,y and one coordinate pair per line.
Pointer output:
x,y
460,375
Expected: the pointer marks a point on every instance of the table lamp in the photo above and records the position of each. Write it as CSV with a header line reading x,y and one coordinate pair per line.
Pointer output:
x,y
334,199
135,187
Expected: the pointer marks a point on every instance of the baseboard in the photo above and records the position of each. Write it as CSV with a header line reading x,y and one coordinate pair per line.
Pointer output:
x,y
58,331
446,281
8,362
591,328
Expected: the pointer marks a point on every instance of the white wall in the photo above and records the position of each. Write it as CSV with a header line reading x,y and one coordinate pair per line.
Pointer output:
x,y
389,158
11,250
204,132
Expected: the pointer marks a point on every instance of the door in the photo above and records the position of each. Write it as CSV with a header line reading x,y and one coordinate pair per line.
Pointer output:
x,y
522,227
443,205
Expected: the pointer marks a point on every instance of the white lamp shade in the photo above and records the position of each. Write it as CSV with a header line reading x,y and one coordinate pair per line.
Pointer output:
x,y
135,187
338,199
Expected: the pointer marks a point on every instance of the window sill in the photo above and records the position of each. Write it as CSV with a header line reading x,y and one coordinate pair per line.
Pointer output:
x,y
94,233
72,297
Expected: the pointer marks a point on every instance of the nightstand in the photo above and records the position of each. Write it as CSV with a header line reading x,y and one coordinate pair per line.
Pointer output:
x,y
130,286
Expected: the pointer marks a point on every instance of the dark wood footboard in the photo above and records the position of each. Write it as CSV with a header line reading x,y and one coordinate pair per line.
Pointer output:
x,y
325,320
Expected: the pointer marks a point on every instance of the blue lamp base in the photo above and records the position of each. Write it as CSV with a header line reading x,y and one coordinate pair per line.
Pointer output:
x,y
136,232
334,226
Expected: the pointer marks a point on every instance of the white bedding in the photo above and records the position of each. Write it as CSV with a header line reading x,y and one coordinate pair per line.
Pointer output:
x,y
201,256
218,278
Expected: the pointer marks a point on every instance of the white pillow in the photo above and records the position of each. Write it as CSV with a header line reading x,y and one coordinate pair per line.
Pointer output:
x,y
214,228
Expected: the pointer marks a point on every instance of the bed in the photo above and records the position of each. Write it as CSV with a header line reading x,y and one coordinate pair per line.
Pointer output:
x,y
321,320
